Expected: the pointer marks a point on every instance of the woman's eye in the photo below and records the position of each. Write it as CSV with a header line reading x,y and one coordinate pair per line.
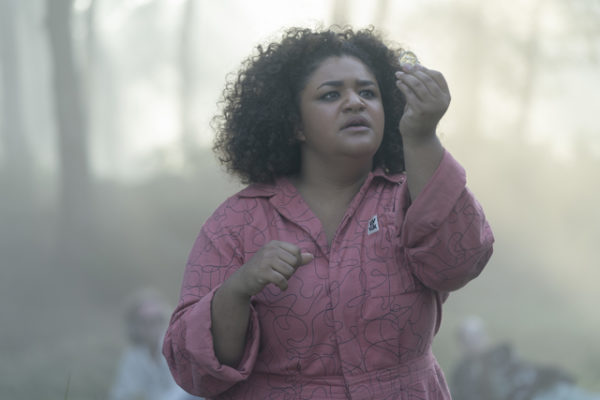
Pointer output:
x,y
367,93
330,96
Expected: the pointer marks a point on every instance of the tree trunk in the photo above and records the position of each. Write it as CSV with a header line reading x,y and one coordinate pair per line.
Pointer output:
x,y
187,83
341,12
381,14
531,58
17,156
74,171
473,53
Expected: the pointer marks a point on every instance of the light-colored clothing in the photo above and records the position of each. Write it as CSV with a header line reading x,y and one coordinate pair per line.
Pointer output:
x,y
140,376
356,322
497,373
565,391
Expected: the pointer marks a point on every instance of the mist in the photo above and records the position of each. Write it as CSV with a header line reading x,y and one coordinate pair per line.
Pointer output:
x,y
107,174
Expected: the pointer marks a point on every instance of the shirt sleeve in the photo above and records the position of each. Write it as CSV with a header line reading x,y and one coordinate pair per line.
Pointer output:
x,y
446,236
188,345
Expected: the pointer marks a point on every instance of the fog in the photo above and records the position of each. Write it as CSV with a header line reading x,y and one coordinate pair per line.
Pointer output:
x,y
106,172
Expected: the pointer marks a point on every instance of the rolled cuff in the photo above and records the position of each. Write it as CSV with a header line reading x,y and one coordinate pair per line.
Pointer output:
x,y
199,337
435,202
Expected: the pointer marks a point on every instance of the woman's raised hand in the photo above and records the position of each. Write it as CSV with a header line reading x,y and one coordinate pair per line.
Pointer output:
x,y
427,99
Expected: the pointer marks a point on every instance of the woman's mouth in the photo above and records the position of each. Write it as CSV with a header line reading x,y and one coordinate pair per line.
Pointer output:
x,y
357,123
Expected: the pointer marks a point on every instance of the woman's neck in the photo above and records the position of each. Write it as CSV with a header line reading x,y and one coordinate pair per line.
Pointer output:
x,y
332,182
328,192
341,172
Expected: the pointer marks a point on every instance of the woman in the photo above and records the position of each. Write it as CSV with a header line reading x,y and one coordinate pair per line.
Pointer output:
x,y
325,277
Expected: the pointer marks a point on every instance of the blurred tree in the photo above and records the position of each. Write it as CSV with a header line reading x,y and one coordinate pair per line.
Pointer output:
x,y
90,57
586,15
530,54
470,53
382,10
340,13
75,179
581,19
100,78
508,50
17,155
469,48
187,81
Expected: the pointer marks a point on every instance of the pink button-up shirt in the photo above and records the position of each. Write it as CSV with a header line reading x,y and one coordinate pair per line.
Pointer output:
x,y
358,321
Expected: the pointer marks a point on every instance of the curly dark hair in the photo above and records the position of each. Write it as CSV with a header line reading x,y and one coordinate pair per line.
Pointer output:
x,y
256,132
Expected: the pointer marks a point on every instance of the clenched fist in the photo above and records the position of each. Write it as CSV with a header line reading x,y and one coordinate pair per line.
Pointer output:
x,y
274,263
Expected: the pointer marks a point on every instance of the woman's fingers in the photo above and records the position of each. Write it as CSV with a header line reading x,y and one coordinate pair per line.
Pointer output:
x,y
411,86
293,256
438,77
424,84
424,89
278,279
278,262
427,99
284,268
305,258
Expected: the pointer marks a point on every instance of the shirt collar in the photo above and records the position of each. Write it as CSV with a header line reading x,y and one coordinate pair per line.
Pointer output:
x,y
269,190
259,190
394,178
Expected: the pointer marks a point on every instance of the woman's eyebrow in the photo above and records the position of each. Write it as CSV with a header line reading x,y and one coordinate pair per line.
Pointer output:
x,y
359,82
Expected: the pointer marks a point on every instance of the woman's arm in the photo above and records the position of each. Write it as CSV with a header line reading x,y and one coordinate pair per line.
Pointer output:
x,y
427,99
212,340
230,315
274,263
447,238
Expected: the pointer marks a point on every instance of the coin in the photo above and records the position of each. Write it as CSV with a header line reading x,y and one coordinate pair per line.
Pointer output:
x,y
408,57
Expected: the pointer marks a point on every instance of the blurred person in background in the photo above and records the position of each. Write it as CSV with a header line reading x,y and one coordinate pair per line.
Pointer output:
x,y
143,373
495,372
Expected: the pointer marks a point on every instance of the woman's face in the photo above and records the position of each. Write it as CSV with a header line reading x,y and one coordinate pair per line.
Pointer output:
x,y
341,111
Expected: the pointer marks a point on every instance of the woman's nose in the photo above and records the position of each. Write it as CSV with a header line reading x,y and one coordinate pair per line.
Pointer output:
x,y
354,102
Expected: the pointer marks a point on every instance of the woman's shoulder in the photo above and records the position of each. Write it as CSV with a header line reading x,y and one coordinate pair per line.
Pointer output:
x,y
258,190
243,207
